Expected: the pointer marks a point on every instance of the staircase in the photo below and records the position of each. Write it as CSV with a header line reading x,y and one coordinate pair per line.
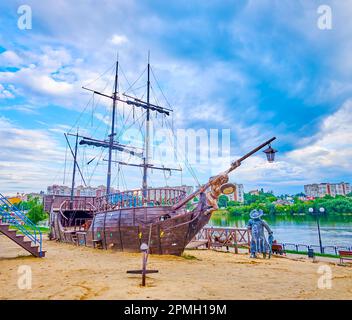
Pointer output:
x,y
16,226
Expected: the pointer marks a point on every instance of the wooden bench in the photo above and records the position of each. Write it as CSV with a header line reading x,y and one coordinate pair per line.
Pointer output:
x,y
277,249
216,244
345,255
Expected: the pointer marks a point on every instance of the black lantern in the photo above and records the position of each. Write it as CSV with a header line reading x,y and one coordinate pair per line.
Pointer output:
x,y
270,153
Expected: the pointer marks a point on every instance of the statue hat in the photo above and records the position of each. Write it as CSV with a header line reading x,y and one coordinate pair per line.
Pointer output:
x,y
256,214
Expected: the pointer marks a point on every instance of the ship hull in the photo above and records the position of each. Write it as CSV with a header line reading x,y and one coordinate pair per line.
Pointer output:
x,y
125,229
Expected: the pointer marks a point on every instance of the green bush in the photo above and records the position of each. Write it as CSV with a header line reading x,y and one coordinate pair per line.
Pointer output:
x,y
35,209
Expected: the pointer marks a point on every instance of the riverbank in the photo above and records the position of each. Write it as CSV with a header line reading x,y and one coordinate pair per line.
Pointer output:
x,y
70,272
299,229
225,212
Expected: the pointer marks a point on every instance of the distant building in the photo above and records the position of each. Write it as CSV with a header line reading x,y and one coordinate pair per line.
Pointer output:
x,y
238,195
78,191
32,195
19,197
319,190
254,192
99,191
188,189
16,199
58,190
164,193
283,202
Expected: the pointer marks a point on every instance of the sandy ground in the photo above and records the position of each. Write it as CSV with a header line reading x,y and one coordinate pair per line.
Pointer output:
x,y
70,272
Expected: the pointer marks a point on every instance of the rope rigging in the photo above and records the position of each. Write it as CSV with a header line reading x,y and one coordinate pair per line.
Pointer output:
x,y
136,116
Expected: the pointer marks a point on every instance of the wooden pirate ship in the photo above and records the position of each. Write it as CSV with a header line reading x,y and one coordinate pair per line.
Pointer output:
x,y
161,217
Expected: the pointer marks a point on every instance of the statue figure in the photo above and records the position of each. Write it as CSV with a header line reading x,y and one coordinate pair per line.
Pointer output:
x,y
258,241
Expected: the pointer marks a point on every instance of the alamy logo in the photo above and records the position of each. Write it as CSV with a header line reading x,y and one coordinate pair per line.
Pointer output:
x,y
183,145
24,21
325,17
24,281
325,280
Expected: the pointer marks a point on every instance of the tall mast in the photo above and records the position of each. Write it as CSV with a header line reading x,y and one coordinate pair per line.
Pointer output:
x,y
112,134
147,129
74,171
133,102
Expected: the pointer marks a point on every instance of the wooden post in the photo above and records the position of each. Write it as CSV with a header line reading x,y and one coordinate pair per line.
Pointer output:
x,y
235,240
144,267
143,271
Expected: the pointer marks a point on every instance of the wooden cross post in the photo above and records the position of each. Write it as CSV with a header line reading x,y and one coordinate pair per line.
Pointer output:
x,y
144,271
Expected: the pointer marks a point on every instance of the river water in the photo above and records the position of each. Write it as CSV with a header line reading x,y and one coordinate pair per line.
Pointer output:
x,y
299,229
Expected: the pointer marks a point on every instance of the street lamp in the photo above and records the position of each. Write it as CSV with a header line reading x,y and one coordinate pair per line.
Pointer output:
x,y
316,213
270,153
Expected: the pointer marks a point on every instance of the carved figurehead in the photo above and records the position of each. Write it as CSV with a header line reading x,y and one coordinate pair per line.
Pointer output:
x,y
215,191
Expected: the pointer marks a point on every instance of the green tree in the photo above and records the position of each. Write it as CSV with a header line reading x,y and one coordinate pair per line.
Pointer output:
x,y
36,211
223,200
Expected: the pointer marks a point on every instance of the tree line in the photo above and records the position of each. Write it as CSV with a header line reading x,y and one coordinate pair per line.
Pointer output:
x,y
267,201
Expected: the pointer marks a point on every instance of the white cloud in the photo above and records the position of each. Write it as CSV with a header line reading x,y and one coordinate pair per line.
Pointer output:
x,y
327,155
119,39
29,159
45,75
331,146
5,93
10,59
53,73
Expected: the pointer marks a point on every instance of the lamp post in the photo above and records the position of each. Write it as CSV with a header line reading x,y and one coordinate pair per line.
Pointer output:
x,y
316,213
270,153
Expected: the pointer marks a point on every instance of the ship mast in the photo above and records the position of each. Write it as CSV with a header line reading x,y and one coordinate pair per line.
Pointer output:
x,y
112,145
112,134
74,172
147,134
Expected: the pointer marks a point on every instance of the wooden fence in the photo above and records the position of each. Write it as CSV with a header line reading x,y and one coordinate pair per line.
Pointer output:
x,y
215,237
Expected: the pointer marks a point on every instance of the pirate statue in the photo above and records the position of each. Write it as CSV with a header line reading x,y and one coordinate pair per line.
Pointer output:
x,y
256,227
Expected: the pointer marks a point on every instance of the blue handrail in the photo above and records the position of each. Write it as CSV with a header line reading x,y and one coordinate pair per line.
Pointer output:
x,y
12,218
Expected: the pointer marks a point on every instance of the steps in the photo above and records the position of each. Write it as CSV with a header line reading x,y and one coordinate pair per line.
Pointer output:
x,y
21,240
16,226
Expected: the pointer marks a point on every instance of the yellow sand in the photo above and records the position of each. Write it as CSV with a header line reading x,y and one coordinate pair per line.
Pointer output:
x,y
70,272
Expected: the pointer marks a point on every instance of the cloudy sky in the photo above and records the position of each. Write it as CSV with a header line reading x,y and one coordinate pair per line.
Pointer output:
x,y
260,68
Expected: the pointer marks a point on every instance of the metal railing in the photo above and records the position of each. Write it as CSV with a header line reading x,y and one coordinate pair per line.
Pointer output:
x,y
10,214
153,197
304,248
229,236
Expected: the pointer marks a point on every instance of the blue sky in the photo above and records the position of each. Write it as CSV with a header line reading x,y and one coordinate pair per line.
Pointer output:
x,y
260,68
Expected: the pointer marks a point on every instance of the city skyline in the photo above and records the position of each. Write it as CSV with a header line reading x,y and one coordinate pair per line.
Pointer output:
x,y
314,190
291,79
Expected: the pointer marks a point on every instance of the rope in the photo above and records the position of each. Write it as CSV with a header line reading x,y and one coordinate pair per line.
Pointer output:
x,y
131,86
64,180
101,75
157,82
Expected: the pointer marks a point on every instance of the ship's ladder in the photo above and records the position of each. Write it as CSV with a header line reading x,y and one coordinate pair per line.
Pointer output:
x,y
19,228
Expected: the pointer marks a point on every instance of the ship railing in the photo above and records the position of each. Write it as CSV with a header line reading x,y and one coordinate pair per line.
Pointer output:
x,y
78,204
153,197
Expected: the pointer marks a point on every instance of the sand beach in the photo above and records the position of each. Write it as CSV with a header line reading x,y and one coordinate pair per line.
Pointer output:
x,y
70,272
